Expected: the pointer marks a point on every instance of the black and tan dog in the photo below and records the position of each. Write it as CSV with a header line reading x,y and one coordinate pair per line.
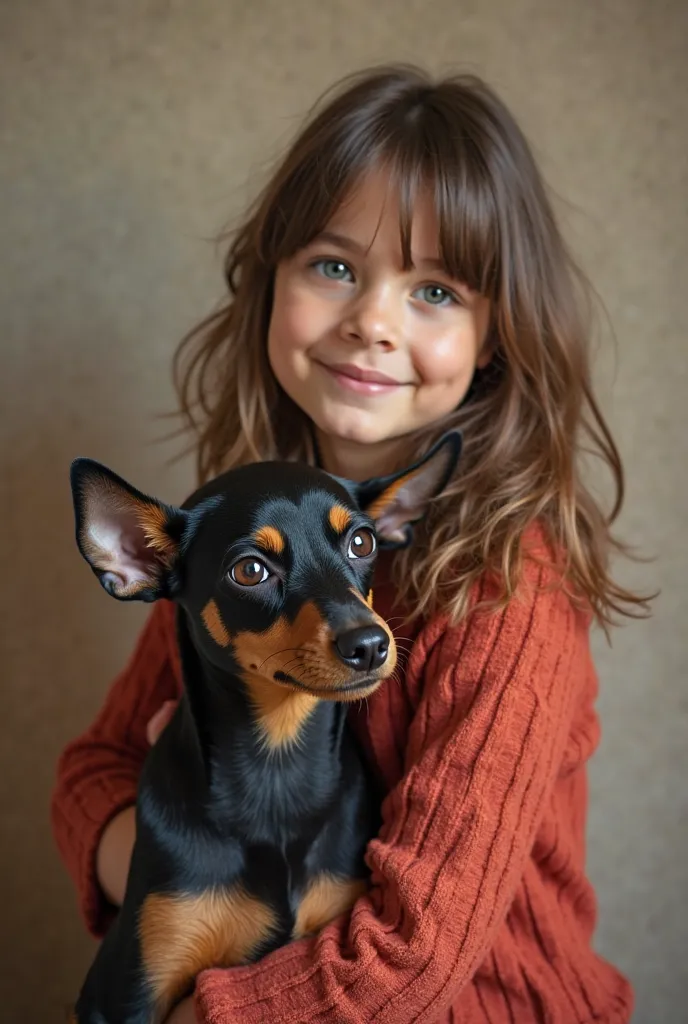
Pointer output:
x,y
254,808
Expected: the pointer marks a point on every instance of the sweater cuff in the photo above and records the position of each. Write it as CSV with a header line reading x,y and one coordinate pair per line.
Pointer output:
x,y
228,995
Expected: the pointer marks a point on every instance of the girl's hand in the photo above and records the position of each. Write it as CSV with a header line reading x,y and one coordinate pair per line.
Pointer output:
x,y
183,1013
159,720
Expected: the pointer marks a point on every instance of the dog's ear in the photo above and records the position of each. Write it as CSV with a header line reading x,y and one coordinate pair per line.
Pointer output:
x,y
398,501
130,540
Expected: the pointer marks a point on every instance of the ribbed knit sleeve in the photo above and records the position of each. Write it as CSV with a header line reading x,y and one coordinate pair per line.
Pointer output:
x,y
495,702
97,774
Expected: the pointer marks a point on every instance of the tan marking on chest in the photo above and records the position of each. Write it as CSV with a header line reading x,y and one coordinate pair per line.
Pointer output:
x,y
281,713
339,518
270,538
182,935
302,649
214,624
326,898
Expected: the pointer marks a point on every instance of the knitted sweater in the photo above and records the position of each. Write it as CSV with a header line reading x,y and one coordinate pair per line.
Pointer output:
x,y
479,911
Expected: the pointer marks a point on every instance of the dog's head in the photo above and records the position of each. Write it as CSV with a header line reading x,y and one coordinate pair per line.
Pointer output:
x,y
272,562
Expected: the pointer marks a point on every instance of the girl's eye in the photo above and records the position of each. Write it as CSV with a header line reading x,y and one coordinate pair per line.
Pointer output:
x,y
362,544
249,572
335,270
435,295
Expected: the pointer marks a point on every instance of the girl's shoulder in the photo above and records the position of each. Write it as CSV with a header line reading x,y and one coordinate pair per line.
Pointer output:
x,y
542,611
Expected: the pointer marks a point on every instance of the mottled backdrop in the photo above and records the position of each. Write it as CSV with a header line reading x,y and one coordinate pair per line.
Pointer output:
x,y
129,133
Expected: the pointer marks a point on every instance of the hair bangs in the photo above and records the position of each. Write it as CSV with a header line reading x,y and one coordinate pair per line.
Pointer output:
x,y
312,191
424,163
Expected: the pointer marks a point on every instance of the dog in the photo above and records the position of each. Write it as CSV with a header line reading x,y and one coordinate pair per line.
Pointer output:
x,y
254,807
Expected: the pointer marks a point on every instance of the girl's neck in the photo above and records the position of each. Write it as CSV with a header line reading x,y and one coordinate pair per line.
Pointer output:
x,y
356,461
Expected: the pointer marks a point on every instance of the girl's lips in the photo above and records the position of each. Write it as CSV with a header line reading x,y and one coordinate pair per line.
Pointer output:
x,y
363,382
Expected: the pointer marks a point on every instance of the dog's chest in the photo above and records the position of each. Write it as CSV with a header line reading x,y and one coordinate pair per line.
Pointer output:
x,y
184,935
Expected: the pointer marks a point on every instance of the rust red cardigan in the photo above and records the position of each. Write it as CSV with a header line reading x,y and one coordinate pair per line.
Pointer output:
x,y
479,911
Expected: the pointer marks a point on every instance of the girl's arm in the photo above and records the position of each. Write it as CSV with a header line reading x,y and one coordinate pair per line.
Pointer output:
x,y
97,774
484,749
116,845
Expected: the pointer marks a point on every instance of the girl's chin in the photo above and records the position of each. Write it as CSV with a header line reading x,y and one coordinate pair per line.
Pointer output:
x,y
348,431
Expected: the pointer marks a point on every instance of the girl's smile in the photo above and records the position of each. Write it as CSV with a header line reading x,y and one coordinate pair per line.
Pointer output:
x,y
369,349
361,381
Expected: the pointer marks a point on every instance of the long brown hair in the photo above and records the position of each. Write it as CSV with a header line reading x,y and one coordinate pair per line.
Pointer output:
x,y
527,417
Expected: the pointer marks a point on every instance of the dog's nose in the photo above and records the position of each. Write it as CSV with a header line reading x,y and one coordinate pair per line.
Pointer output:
x,y
364,648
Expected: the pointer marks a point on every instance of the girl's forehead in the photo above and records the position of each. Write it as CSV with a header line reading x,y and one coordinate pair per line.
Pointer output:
x,y
372,212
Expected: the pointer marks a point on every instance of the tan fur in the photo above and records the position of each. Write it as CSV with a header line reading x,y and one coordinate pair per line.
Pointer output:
x,y
182,935
281,712
270,538
290,647
339,518
214,624
304,650
382,501
153,522
326,898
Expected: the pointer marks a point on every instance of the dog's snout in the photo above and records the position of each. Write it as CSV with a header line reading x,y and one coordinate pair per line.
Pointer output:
x,y
364,648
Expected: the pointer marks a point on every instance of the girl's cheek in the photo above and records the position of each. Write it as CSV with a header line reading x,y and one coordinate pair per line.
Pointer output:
x,y
443,358
287,318
298,315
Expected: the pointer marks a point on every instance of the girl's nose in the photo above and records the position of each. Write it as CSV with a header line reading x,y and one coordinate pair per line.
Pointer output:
x,y
372,320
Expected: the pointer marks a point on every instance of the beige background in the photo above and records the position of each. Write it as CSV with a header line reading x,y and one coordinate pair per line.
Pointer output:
x,y
129,132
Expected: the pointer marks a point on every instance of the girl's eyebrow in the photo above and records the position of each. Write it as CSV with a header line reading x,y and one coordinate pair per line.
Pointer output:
x,y
344,242
341,241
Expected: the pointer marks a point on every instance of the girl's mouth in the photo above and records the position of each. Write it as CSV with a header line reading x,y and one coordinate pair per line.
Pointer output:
x,y
360,381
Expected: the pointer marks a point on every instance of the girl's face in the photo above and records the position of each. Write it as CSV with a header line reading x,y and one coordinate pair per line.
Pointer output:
x,y
368,350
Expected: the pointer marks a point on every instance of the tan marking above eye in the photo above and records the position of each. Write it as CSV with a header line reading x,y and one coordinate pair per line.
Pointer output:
x,y
339,518
214,624
326,898
182,935
270,538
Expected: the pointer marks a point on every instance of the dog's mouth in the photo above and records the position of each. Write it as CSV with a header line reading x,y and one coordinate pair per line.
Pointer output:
x,y
346,692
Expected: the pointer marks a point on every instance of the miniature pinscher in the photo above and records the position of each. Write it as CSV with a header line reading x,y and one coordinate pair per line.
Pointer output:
x,y
254,807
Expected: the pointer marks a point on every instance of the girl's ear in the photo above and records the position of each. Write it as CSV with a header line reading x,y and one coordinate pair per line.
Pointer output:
x,y
130,541
396,502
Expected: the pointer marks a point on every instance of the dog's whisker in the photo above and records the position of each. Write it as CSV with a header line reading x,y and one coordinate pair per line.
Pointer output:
x,y
275,654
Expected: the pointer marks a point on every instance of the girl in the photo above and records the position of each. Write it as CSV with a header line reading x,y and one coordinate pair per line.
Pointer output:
x,y
402,274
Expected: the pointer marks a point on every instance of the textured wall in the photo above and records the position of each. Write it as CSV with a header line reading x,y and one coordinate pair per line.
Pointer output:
x,y
128,132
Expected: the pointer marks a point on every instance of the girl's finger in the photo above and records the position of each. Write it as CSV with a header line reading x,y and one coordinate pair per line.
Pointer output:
x,y
159,720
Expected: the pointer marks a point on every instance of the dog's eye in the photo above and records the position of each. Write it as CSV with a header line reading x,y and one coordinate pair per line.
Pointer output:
x,y
249,572
362,544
